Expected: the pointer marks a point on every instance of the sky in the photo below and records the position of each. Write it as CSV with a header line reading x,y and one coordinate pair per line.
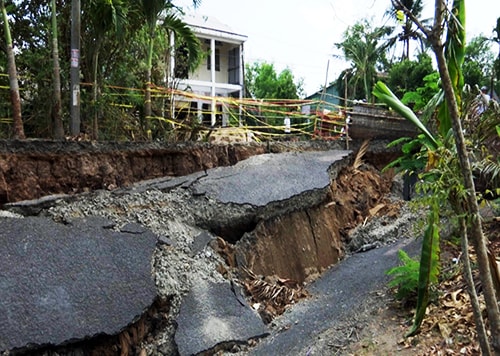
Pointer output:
x,y
300,35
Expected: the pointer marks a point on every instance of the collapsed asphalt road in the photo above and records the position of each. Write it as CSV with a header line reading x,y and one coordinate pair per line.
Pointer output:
x,y
335,297
188,215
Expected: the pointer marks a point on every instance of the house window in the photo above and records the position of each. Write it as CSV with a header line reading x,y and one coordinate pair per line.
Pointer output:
x,y
217,60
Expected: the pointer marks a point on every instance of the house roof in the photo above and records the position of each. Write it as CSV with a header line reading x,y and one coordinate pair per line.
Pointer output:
x,y
330,89
208,26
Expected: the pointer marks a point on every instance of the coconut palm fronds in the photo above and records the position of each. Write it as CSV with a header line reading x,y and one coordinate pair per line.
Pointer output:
x,y
272,294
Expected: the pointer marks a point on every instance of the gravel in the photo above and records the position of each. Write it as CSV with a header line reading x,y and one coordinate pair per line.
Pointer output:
x,y
169,216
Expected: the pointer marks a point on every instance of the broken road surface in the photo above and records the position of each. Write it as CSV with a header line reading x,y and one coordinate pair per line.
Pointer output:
x,y
183,216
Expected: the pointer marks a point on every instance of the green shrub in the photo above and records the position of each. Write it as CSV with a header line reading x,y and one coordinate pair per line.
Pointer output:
x,y
405,277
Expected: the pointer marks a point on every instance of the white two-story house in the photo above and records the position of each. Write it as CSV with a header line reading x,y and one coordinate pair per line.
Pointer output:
x,y
219,75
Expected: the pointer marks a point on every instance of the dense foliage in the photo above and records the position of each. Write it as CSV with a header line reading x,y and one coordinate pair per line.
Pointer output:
x,y
454,157
364,47
478,64
408,75
263,82
115,43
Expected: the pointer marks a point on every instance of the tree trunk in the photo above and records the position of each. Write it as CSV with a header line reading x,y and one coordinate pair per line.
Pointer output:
x,y
406,40
476,308
367,88
95,91
407,54
58,129
148,111
15,97
478,239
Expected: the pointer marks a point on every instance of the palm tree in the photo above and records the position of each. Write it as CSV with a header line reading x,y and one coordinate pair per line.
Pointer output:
x,y
186,39
408,31
151,11
18,126
110,16
365,48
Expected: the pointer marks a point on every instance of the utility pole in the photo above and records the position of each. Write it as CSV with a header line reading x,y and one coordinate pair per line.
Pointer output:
x,y
75,68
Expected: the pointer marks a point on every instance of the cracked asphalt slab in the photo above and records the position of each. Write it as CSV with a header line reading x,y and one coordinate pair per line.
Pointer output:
x,y
212,314
263,179
63,282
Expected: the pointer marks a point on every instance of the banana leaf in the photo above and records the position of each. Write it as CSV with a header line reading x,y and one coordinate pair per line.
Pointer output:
x,y
430,108
429,267
384,94
455,55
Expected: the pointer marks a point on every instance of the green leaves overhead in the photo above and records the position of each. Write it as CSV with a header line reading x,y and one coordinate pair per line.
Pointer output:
x,y
384,94
184,33
112,16
151,10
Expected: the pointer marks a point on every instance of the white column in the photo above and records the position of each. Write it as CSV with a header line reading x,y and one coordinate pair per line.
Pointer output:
x,y
242,80
240,66
172,55
199,111
212,72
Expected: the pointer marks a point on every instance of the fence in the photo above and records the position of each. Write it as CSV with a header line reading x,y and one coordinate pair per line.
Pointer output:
x,y
182,115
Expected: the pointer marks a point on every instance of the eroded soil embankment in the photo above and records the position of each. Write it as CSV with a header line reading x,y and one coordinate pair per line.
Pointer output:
x,y
34,168
302,244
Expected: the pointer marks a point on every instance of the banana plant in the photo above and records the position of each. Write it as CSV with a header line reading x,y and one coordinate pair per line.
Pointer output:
x,y
429,258
429,266
449,65
439,168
